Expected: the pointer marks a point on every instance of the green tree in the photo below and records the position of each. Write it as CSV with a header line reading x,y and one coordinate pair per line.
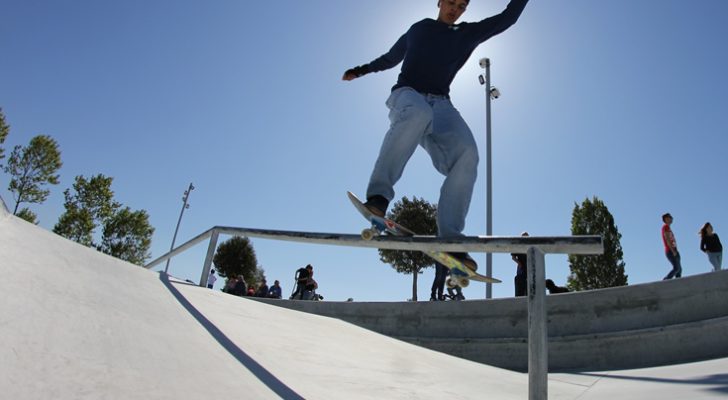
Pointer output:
x,y
605,270
4,131
32,168
420,217
88,206
27,215
127,235
236,256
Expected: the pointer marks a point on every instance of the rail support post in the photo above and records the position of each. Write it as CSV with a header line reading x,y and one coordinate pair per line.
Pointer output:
x,y
208,258
538,361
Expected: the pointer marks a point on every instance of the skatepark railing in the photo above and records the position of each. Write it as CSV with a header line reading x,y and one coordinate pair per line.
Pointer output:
x,y
536,247
3,208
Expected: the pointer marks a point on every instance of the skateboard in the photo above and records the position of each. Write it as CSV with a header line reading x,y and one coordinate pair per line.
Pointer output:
x,y
460,275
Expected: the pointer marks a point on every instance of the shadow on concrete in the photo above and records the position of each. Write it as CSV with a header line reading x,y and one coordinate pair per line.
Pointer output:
x,y
719,381
256,369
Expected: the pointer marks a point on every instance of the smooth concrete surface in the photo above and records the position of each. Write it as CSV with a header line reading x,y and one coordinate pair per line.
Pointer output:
x,y
76,324
634,326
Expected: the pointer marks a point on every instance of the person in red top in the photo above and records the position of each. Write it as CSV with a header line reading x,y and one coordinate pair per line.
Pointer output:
x,y
668,239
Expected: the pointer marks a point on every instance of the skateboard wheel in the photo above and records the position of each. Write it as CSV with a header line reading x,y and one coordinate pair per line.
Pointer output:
x,y
464,282
368,234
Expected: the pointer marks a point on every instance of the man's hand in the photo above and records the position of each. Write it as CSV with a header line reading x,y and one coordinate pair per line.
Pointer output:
x,y
356,72
349,75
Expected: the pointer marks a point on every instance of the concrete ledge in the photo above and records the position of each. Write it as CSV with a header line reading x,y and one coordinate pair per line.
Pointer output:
x,y
610,351
640,325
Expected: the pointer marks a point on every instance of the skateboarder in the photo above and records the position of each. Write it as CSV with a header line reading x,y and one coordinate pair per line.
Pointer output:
x,y
432,52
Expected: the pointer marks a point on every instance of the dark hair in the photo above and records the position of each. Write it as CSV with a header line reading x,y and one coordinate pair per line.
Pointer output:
x,y
665,215
704,229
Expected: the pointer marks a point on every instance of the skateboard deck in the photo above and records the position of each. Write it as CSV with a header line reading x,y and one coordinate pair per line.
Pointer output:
x,y
460,275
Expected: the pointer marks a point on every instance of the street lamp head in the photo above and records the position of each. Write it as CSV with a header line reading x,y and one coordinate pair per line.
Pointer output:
x,y
494,92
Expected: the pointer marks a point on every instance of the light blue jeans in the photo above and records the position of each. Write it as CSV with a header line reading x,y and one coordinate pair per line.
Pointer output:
x,y
432,122
716,259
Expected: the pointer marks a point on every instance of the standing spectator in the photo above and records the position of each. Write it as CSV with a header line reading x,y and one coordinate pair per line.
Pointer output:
x,y
668,239
211,279
521,280
438,284
275,291
710,245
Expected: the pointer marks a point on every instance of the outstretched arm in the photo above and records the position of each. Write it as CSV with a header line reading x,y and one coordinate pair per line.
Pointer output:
x,y
496,24
394,56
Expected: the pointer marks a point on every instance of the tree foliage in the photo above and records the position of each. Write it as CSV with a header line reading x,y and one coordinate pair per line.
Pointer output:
x,y
419,216
89,205
27,215
592,217
236,256
32,168
4,132
126,234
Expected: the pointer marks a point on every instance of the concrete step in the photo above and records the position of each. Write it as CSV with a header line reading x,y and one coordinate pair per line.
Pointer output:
x,y
604,351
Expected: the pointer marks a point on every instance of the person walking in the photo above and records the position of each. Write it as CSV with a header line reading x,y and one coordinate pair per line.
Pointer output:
x,y
668,239
710,245
432,51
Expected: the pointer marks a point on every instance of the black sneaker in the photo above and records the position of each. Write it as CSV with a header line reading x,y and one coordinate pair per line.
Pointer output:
x,y
377,205
466,260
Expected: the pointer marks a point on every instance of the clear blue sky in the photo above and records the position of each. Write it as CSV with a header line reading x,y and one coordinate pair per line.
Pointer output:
x,y
624,100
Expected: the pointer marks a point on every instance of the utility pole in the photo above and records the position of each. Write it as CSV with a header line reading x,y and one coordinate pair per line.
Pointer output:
x,y
491,92
184,206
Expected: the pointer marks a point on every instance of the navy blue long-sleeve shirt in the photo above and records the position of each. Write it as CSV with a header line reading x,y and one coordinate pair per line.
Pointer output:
x,y
432,52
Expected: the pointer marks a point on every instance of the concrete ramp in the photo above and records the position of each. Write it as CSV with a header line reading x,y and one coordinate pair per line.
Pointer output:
x,y
76,324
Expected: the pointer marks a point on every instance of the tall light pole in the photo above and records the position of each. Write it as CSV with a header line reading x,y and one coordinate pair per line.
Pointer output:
x,y
184,206
491,92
